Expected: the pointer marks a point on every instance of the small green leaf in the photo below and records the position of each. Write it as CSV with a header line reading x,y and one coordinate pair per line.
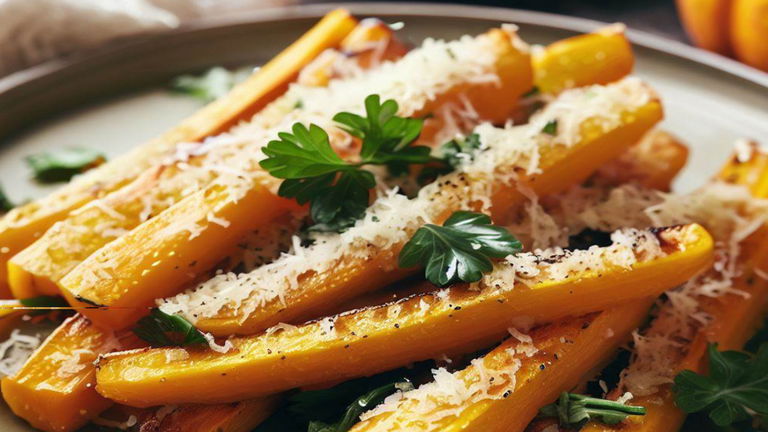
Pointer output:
x,y
359,406
575,410
736,387
453,154
304,153
338,191
44,301
386,137
61,165
534,91
5,203
161,329
461,249
337,207
211,85
550,128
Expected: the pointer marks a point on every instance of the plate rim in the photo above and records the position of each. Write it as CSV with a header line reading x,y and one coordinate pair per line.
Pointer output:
x,y
639,38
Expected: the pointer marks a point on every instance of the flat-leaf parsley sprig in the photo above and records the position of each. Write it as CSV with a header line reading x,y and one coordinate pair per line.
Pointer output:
x,y
160,329
338,190
735,389
461,249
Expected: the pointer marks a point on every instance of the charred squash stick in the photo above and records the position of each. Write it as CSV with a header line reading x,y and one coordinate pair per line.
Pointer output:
x,y
597,58
54,391
159,257
75,393
373,340
23,225
350,275
527,374
734,318
39,268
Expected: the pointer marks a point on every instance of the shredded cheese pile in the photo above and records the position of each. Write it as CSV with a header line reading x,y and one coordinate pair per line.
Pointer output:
x,y
728,212
229,162
393,218
15,350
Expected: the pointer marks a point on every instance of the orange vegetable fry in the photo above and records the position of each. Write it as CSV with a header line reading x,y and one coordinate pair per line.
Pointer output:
x,y
171,254
39,268
527,374
373,340
23,225
596,58
54,390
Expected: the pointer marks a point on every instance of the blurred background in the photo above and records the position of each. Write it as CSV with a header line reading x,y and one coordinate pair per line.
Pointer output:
x,y
32,31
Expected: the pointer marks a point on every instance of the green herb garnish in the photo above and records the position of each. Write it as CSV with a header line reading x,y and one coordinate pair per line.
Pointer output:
x,y
160,329
62,164
735,389
461,249
534,91
211,85
550,128
44,302
358,406
337,190
574,410
5,203
454,153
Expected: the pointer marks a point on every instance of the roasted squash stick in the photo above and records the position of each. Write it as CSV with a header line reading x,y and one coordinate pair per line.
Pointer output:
x,y
504,390
53,391
75,393
337,271
159,257
373,340
734,317
572,62
23,225
39,268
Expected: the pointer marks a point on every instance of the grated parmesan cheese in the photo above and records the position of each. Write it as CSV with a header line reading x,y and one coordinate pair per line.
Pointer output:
x,y
392,218
15,350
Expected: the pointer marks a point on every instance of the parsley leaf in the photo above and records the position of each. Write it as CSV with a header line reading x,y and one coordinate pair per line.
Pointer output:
x,y
338,206
5,203
329,407
574,410
358,406
161,329
337,190
386,137
737,385
44,301
454,153
550,128
63,164
212,84
461,249
305,153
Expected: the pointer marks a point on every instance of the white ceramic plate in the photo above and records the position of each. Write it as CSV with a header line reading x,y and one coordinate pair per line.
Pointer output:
x,y
113,99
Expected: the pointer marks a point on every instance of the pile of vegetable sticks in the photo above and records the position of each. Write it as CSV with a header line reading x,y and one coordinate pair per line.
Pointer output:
x,y
407,196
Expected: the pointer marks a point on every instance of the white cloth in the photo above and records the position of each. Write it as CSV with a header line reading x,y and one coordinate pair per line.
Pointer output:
x,y
32,31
